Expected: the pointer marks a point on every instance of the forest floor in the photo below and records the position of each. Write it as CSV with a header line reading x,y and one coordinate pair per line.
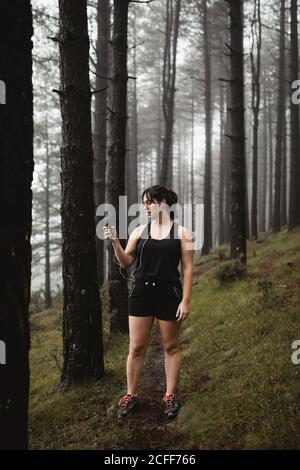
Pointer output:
x,y
238,385
85,417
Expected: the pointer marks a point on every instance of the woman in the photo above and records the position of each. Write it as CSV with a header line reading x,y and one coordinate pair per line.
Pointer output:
x,y
157,291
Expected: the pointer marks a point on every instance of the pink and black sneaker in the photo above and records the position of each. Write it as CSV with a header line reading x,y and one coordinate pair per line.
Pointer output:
x,y
170,406
127,404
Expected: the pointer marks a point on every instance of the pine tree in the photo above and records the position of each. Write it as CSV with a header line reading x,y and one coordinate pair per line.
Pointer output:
x,y
116,159
82,327
16,150
238,165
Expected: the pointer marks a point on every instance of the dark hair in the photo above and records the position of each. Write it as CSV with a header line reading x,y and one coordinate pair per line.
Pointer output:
x,y
159,193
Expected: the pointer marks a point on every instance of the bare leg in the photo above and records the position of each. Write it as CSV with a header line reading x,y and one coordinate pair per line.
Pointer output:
x,y
170,332
139,333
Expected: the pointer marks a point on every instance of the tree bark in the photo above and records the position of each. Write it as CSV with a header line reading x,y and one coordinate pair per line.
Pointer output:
x,y
116,159
283,198
271,169
133,168
82,323
159,129
48,298
16,150
238,161
227,157
169,80
279,126
100,120
192,160
264,161
255,104
221,171
294,196
208,124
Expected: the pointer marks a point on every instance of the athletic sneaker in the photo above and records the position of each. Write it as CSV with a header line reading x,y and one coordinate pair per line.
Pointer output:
x,y
170,405
126,404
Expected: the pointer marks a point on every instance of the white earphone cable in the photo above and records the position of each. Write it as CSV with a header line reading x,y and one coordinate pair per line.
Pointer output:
x,y
136,269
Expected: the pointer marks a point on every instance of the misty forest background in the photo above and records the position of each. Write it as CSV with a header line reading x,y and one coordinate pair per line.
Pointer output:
x,y
178,100
192,94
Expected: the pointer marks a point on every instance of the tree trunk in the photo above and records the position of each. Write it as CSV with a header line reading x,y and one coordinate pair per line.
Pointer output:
x,y
169,79
116,159
100,120
133,156
208,124
294,196
270,129
16,150
284,173
159,130
227,163
264,160
221,170
238,164
192,161
178,158
280,111
82,324
48,299
255,68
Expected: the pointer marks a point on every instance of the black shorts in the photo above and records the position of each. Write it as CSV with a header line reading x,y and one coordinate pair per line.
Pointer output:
x,y
158,299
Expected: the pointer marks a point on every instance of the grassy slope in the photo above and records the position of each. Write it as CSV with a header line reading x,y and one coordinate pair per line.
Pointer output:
x,y
242,390
238,384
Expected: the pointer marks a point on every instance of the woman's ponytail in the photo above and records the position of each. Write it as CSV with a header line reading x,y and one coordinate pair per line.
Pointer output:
x,y
173,199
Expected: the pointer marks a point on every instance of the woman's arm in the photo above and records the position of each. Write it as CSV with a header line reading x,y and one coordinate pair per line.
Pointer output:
x,y
187,252
125,257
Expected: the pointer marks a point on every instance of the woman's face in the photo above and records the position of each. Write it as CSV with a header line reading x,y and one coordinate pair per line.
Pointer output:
x,y
152,207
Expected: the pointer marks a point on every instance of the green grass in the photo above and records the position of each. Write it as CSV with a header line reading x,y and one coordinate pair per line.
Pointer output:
x,y
82,417
239,388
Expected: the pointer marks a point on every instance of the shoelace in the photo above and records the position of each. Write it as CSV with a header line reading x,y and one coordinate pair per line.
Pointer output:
x,y
125,400
169,399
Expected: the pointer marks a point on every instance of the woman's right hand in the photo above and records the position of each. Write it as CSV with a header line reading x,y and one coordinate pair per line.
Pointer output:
x,y
110,233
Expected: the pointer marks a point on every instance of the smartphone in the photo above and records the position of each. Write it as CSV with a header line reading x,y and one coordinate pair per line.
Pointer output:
x,y
107,226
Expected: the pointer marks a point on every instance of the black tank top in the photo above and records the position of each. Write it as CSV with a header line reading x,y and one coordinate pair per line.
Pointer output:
x,y
158,259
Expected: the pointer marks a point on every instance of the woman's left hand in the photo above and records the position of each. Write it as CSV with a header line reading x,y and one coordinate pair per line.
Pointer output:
x,y
182,311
